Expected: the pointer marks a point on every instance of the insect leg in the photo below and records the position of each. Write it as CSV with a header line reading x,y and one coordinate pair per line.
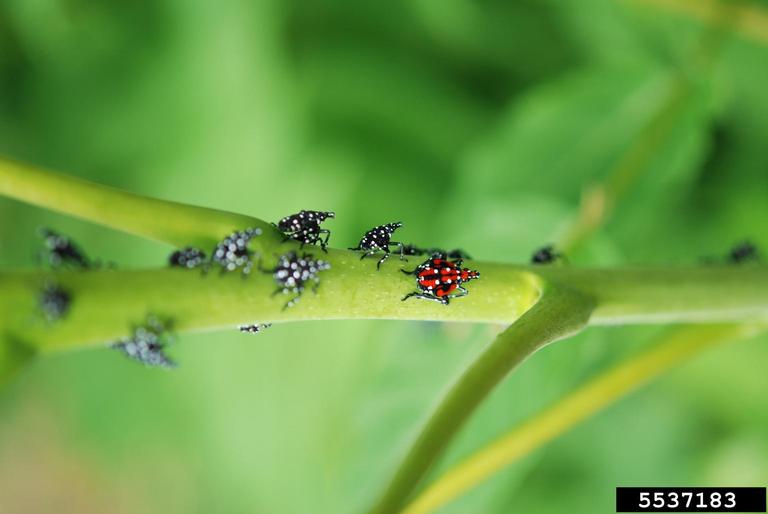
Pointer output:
x,y
323,244
293,301
386,256
402,249
424,296
464,292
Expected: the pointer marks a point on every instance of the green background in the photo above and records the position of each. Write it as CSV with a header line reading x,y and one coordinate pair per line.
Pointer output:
x,y
476,124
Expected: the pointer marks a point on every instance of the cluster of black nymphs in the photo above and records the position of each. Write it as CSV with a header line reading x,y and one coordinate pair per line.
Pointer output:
x,y
59,252
293,272
147,343
230,254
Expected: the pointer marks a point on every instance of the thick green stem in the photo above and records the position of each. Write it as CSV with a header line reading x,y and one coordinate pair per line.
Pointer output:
x,y
558,314
105,303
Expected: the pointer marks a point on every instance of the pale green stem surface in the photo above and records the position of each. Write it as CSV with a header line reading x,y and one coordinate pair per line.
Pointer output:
x,y
107,302
675,347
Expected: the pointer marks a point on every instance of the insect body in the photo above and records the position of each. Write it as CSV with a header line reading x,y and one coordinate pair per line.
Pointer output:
x,y
439,279
62,251
456,253
545,255
54,302
379,239
232,252
743,252
189,257
305,227
254,328
293,273
147,343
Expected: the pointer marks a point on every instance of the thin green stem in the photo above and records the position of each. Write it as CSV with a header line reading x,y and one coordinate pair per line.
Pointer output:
x,y
558,314
746,18
599,201
169,222
675,347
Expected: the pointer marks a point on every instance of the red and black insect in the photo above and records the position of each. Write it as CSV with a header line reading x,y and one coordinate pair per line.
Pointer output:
x,y
293,273
379,239
456,253
440,279
61,251
304,227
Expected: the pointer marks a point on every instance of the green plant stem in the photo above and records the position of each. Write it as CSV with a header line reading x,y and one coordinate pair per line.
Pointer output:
x,y
675,347
599,202
169,222
558,314
107,302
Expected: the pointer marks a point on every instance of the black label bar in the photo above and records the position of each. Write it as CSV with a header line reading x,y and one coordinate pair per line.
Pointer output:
x,y
690,499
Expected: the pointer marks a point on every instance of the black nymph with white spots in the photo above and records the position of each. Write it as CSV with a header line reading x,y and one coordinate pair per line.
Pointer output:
x,y
189,257
254,328
379,239
744,252
232,252
304,227
546,255
54,302
61,251
147,343
293,273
